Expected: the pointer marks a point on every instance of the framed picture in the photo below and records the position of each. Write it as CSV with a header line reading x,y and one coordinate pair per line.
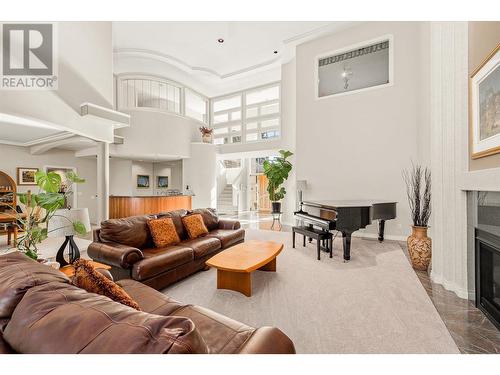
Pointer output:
x,y
142,181
162,182
26,176
484,101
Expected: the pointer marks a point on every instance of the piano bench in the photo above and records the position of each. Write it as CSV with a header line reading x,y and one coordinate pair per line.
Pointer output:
x,y
317,234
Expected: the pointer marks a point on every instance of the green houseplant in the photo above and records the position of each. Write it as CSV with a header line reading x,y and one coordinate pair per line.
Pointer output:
x,y
41,207
277,172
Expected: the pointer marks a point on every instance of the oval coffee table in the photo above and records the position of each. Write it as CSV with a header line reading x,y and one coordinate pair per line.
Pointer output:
x,y
236,264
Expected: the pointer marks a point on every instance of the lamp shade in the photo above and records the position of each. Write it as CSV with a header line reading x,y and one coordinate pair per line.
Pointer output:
x,y
61,224
301,185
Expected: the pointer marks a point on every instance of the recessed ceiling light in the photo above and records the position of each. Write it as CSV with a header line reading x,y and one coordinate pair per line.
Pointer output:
x,y
220,40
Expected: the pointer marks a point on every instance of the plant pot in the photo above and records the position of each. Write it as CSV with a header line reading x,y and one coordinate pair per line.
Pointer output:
x,y
276,207
419,248
206,138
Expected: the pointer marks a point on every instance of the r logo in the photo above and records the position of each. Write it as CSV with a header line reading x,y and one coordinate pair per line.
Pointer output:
x,y
27,49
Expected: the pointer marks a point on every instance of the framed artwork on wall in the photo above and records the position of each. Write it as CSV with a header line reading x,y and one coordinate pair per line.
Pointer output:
x,y
484,103
26,176
142,181
162,182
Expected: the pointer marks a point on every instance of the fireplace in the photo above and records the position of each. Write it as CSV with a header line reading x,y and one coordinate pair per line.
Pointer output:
x,y
487,256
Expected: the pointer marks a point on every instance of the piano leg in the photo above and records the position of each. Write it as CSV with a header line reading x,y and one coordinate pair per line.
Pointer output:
x,y
381,226
346,236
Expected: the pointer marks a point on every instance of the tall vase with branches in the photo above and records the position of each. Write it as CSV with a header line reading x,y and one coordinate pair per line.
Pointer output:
x,y
418,190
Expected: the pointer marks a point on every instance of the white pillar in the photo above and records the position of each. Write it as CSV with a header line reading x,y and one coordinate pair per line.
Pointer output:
x,y
102,182
449,154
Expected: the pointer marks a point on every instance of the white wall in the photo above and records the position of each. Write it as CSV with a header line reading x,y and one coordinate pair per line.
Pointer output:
x,y
120,177
199,172
355,146
156,135
14,156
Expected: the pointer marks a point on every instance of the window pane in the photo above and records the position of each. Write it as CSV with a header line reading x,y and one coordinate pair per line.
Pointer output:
x,y
235,129
270,123
252,125
218,141
263,95
253,112
196,106
227,103
251,137
221,130
237,139
269,109
221,118
236,115
270,134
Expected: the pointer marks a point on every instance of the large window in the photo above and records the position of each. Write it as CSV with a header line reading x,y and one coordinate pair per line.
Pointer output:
x,y
249,116
150,92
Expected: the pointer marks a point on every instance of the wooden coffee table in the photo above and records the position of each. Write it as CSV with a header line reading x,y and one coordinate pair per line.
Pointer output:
x,y
236,264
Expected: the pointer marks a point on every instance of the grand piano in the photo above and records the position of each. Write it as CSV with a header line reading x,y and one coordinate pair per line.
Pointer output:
x,y
347,216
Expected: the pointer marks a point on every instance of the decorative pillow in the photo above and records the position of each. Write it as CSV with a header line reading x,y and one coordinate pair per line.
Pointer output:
x,y
210,217
194,225
86,277
163,232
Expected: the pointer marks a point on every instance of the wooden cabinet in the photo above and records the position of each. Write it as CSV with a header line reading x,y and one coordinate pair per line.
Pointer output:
x,y
130,206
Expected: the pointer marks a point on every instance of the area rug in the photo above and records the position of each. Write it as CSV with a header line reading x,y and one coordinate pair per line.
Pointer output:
x,y
372,304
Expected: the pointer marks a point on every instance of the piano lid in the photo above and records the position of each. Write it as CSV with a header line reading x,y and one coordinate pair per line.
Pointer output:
x,y
346,203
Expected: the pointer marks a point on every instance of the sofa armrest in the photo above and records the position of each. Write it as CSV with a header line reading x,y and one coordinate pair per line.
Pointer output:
x,y
229,224
114,254
268,340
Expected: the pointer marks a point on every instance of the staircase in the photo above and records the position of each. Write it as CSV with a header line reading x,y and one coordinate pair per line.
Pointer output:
x,y
225,201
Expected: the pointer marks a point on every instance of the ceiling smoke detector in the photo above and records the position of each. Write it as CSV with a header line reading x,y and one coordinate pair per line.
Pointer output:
x,y
275,52
220,40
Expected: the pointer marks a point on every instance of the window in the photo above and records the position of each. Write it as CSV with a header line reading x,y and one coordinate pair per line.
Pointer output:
x,y
196,105
157,93
250,116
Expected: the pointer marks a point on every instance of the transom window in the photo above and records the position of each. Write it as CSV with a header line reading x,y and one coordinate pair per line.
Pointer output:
x,y
248,116
148,92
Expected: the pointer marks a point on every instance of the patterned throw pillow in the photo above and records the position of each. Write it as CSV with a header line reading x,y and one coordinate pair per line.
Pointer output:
x,y
163,232
86,277
194,225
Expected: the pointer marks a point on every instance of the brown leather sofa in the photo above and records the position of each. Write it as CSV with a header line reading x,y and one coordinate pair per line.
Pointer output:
x,y
127,246
42,312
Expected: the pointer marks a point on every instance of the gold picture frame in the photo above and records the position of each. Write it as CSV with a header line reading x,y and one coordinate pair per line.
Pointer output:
x,y
484,105
26,176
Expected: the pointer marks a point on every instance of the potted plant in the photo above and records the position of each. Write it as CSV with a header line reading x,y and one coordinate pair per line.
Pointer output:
x,y
41,207
418,189
277,172
206,134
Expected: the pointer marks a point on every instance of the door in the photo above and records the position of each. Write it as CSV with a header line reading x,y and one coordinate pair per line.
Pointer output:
x,y
263,195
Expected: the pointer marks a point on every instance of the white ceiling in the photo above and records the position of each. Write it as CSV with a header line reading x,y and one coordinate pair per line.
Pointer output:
x,y
248,47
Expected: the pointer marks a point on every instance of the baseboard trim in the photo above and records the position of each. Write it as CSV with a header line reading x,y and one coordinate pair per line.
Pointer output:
x,y
390,237
450,286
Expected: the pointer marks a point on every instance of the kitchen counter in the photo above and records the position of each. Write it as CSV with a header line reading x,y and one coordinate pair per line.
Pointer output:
x,y
124,206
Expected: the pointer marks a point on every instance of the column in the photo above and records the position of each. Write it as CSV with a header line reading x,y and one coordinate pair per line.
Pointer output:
x,y
102,181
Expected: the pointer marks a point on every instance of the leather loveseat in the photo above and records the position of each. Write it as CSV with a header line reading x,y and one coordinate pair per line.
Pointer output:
x,y
127,246
42,312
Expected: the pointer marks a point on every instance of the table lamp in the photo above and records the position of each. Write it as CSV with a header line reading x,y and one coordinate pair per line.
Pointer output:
x,y
61,224
301,186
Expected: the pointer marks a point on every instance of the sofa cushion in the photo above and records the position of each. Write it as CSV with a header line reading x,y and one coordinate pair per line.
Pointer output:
x,y
88,278
203,246
194,225
131,231
161,259
18,274
209,215
4,346
228,237
222,335
163,232
176,217
149,299
59,318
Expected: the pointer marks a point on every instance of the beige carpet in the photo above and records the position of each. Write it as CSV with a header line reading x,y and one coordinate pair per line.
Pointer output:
x,y
373,304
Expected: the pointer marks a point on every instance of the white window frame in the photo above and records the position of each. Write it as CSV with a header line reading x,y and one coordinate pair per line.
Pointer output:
x,y
243,121
365,43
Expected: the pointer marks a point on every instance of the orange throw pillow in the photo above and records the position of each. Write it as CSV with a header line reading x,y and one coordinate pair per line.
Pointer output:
x,y
194,225
86,277
163,232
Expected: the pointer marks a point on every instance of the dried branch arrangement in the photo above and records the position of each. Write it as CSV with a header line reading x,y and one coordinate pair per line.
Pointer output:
x,y
418,190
